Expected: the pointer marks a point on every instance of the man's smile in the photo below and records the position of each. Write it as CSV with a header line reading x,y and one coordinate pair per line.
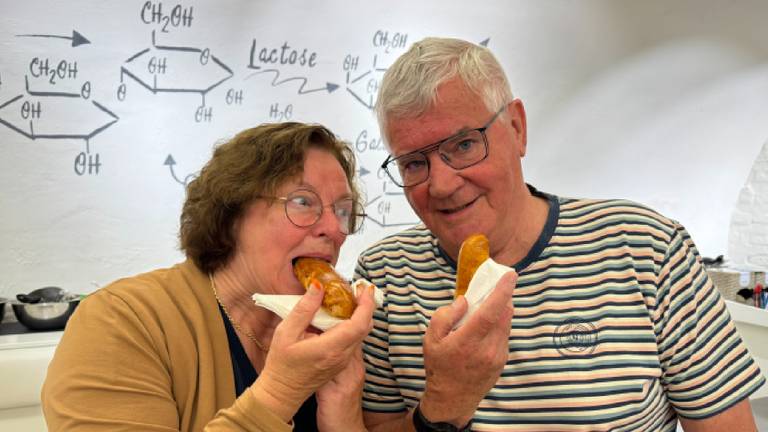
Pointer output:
x,y
453,210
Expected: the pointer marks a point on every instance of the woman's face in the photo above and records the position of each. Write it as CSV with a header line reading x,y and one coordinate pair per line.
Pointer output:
x,y
268,242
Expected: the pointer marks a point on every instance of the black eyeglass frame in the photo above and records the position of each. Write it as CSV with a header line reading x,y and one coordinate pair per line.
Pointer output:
x,y
285,199
435,146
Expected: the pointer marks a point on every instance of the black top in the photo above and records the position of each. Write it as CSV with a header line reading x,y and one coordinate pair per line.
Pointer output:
x,y
244,375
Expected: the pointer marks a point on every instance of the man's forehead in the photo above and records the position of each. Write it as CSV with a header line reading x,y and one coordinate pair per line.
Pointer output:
x,y
409,134
456,108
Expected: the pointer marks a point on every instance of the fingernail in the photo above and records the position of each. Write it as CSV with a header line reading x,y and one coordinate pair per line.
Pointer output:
x,y
314,288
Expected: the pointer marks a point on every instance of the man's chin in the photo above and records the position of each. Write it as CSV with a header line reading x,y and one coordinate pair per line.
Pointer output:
x,y
449,240
451,237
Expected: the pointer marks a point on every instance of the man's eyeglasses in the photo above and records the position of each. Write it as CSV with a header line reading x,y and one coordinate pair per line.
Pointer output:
x,y
459,151
304,208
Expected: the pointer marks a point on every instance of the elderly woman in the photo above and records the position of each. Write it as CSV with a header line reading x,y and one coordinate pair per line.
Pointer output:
x,y
185,348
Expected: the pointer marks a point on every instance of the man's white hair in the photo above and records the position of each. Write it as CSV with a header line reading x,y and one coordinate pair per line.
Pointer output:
x,y
409,87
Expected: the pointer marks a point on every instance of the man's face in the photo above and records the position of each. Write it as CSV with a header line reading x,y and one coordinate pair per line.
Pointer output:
x,y
482,198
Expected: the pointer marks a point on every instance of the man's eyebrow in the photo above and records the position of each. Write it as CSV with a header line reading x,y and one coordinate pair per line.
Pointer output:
x,y
458,133
463,130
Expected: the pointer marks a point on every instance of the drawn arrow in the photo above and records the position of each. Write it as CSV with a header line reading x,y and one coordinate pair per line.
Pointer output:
x,y
171,162
485,42
329,87
76,38
363,171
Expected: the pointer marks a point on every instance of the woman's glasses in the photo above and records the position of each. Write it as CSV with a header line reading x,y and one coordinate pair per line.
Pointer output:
x,y
303,207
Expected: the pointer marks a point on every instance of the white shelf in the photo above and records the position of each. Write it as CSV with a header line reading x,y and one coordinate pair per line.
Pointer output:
x,y
742,313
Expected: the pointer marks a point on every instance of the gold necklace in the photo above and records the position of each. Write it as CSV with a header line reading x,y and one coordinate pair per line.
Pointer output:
x,y
237,326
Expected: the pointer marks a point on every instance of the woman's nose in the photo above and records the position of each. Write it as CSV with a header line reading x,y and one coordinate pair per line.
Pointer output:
x,y
329,223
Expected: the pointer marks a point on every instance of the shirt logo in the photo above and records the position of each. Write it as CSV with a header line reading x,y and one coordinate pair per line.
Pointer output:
x,y
575,338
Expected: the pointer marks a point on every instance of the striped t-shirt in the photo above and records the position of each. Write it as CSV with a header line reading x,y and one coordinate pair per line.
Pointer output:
x,y
616,325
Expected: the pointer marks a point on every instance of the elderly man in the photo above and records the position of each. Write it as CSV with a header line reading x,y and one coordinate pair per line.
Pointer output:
x,y
613,323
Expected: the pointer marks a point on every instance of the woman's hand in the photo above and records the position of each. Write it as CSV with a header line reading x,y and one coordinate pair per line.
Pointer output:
x,y
300,362
339,401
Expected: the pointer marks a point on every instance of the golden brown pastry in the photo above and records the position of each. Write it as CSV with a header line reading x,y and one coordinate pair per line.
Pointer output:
x,y
338,299
474,251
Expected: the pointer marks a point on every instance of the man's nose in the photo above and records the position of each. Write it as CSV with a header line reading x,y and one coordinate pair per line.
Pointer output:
x,y
443,180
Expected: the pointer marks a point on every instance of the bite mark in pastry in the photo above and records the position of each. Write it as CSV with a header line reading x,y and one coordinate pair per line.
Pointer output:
x,y
338,300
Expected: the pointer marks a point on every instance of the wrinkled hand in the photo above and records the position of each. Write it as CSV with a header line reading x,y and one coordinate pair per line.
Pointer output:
x,y
462,365
300,362
339,401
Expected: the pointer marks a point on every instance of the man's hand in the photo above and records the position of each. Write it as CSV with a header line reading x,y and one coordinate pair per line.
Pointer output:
x,y
462,365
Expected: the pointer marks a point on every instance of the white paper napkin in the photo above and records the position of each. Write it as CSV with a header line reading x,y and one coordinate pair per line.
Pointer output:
x,y
284,304
483,282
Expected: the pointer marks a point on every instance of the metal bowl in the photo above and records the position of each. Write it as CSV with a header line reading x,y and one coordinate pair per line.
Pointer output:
x,y
44,316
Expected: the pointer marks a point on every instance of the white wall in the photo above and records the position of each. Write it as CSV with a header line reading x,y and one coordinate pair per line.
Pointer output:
x,y
659,101
748,241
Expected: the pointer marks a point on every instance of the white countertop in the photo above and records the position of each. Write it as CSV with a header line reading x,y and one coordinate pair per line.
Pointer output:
x,y
30,340
748,314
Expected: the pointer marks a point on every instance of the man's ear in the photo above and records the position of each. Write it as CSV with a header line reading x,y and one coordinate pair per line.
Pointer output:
x,y
516,116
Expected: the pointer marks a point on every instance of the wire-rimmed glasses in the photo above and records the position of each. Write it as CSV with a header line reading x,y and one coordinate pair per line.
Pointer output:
x,y
459,151
303,207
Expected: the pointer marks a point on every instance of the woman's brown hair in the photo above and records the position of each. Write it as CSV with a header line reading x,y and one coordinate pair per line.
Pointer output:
x,y
253,163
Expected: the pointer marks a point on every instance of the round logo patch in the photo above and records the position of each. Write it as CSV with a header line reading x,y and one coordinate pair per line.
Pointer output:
x,y
575,338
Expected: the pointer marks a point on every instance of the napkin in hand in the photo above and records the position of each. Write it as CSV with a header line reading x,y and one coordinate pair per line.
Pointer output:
x,y
283,304
481,285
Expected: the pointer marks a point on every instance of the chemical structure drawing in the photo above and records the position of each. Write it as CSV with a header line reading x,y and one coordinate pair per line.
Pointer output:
x,y
389,209
363,86
178,69
56,115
